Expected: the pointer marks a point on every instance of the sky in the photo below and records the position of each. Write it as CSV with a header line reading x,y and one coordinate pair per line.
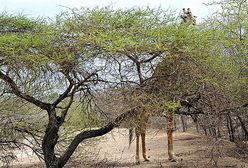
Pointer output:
x,y
49,8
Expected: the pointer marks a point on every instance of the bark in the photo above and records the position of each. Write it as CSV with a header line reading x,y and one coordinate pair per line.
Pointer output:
x,y
197,127
230,127
195,120
213,130
204,129
175,123
218,132
210,132
50,139
184,123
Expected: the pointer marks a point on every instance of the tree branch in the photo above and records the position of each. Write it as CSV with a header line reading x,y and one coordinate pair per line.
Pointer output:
x,y
151,58
72,90
65,94
65,111
17,92
94,133
85,80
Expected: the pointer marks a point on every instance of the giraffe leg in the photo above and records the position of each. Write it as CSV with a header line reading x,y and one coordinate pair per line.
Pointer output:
x,y
170,136
137,149
143,136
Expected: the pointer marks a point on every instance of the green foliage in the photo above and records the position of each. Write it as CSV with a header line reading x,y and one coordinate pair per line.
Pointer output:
x,y
172,106
120,31
18,118
16,23
229,27
23,41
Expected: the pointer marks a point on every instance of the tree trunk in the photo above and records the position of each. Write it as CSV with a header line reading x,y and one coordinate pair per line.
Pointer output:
x,y
209,130
50,140
51,136
175,123
218,131
197,127
184,124
195,120
230,127
214,132
204,129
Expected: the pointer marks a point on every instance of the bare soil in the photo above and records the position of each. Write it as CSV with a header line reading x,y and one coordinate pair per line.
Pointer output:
x,y
191,150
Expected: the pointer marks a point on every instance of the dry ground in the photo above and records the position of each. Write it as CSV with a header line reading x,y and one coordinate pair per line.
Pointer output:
x,y
192,151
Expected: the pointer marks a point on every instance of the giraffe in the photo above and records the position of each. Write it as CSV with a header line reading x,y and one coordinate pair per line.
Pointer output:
x,y
143,114
188,17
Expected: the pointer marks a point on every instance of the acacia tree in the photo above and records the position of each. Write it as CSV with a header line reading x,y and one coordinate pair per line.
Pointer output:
x,y
39,60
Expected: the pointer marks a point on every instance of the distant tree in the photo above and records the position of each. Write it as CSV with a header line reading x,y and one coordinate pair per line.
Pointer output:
x,y
229,27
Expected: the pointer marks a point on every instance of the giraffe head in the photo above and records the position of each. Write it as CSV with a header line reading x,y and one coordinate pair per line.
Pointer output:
x,y
188,17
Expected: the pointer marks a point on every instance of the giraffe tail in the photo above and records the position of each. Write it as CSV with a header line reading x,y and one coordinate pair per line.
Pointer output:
x,y
131,133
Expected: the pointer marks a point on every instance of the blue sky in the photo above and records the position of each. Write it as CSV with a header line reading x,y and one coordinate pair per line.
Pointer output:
x,y
49,8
